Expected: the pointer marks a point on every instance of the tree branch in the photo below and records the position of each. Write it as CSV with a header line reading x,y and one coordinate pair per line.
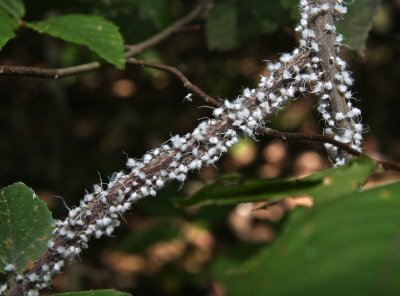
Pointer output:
x,y
167,32
132,50
388,165
333,68
186,83
49,73
99,212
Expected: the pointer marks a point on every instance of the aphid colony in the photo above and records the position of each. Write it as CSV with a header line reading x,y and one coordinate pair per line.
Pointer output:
x,y
327,89
99,212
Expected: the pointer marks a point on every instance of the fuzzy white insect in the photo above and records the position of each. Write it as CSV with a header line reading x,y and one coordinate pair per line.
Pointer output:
x,y
338,8
33,292
339,116
286,58
218,112
188,97
58,265
9,267
260,96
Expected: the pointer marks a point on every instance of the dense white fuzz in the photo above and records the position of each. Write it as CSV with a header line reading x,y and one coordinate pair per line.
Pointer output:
x,y
3,288
326,88
9,267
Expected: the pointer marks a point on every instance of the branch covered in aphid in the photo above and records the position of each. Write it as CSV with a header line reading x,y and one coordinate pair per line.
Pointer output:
x,y
99,212
284,136
332,80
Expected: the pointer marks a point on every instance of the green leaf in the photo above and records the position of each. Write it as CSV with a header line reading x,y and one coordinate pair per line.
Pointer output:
x,y
225,192
357,23
157,11
260,16
100,35
7,27
139,240
108,292
221,27
164,205
293,7
346,247
14,8
232,22
11,12
322,186
340,180
25,226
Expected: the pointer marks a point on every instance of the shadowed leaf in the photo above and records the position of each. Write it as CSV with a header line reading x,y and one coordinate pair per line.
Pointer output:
x,y
357,23
25,226
347,247
221,27
322,186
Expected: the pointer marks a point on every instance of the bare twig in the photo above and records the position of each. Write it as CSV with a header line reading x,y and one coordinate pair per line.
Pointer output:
x,y
167,32
388,165
89,67
315,138
186,83
48,73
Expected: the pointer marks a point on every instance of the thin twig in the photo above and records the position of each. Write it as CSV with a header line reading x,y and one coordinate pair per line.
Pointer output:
x,y
186,83
48,73
386,164
89,67
167,32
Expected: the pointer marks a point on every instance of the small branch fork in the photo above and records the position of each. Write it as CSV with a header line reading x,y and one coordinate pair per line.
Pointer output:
x,y
132,50
185,81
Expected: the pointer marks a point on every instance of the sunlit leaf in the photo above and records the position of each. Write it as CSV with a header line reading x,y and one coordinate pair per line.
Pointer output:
x,y
100,35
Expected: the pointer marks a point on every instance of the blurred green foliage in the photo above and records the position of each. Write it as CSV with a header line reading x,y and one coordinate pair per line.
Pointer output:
x,y
108,292
350,241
